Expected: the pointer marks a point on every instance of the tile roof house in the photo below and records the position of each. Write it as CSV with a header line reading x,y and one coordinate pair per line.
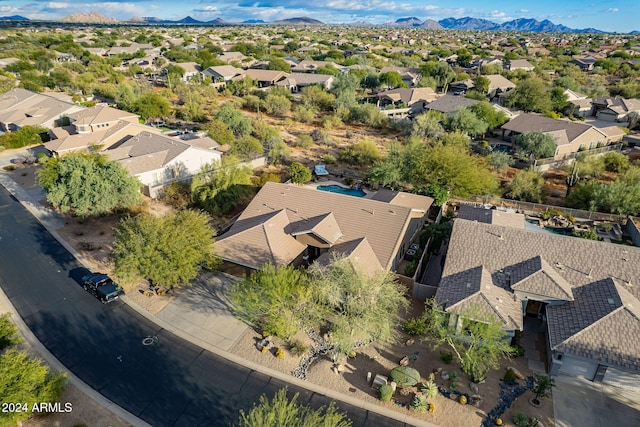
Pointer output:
x,y
407,96
570,136
297,81
518,64
614,109
222,73
410,76
157,160
585,293
21,107
265,78
289,224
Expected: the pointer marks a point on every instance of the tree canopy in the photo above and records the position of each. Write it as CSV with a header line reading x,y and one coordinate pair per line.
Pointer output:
x,y
299,173
221,185
527,185
88,184
26,135
530,95
535,144
169,251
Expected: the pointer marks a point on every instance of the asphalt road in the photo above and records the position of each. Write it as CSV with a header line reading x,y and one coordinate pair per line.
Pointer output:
x,y
168,383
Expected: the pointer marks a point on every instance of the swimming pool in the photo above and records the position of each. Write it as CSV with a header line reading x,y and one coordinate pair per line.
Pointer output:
x,y
342,190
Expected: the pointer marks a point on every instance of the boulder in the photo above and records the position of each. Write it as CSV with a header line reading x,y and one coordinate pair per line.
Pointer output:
x,y
444,375
474,388
393,385
475,400
404,361
409,342
516,372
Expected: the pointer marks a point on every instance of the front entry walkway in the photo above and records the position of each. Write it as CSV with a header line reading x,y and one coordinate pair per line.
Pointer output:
x,y
534,343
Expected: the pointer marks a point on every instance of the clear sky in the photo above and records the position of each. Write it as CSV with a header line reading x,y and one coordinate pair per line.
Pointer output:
x,y
607,15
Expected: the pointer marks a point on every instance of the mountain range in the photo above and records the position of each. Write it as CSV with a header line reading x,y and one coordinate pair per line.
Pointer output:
x,y
466,23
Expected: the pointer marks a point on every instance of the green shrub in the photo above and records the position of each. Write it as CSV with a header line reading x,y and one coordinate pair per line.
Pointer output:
x,y
303,141
517,350
520,419
446,356
405,376
385,392
453,380
297,348
329,159
415,326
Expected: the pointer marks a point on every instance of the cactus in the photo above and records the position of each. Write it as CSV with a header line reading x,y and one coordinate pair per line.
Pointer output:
x,y
430,389
462,399
419,403
280,353
572,178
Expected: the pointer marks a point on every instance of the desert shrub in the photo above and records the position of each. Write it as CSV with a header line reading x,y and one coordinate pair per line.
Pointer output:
x,y
554,212
385,392
297,348
177,194
304,114
415,326
453,380
446,356
329,159
317,135
264,178
429,389
303,141
404,376
365,152
520,419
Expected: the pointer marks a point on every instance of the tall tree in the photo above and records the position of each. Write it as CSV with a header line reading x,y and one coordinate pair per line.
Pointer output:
x,y
530,95
169,251
152,106
88,184
219,179
299,173
465,121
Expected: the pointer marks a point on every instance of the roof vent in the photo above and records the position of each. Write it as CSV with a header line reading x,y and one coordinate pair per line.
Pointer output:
x,y
610,301
468,285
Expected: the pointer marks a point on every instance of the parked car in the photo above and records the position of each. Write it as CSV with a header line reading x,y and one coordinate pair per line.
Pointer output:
x,y
102,287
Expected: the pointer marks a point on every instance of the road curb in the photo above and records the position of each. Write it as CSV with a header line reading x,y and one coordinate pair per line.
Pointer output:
x,y
25,199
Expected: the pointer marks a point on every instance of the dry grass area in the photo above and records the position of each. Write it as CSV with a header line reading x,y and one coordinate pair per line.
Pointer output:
x,y
380,360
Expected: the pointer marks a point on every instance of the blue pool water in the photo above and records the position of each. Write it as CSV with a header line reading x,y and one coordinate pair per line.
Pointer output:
x,y
341,190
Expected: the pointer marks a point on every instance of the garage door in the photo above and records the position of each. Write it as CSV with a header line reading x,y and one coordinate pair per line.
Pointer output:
x,y
618,378
578,368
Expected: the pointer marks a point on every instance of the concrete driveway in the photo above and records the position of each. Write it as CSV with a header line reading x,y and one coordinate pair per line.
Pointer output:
x,y
579,402
202,311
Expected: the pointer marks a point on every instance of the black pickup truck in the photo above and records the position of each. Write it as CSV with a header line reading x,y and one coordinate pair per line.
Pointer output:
x,y
102,287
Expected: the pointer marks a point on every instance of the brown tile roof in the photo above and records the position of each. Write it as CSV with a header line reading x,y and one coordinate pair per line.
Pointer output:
x,y
324,227
535,123
400,198
602,324
259,240
383,226
360,253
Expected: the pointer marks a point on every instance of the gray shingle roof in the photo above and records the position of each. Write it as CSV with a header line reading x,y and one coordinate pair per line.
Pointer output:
x,y
603,320
492,216
449,103
602,324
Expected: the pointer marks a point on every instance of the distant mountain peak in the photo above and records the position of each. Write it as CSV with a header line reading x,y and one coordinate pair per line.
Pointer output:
x,y
303,20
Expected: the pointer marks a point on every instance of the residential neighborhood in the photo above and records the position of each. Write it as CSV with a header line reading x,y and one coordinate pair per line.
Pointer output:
x,y
419,222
